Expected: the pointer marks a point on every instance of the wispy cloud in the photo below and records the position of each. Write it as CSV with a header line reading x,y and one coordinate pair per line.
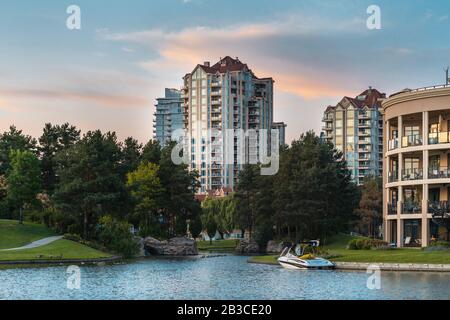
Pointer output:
x,y
181,50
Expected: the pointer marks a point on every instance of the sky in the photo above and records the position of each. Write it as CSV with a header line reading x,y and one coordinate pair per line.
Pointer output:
x,y
108,74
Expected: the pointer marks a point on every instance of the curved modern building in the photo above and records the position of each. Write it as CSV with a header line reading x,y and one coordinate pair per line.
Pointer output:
x,y
417,166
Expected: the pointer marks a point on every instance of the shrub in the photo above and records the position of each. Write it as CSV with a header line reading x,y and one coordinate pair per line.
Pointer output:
x,y
440,244
73,237
366,244
116,236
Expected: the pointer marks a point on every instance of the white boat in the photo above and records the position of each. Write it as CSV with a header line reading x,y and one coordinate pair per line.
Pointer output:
x,y
289,261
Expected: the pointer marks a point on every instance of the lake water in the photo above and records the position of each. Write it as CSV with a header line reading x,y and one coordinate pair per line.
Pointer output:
x,y
229,277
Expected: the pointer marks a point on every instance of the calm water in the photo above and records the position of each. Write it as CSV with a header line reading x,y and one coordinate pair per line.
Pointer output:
x,y
229,277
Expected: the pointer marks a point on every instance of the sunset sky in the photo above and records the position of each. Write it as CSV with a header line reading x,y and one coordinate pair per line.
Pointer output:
x,y
108,74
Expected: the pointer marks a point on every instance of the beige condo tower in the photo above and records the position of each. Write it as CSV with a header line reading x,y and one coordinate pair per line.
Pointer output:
x,y
417,166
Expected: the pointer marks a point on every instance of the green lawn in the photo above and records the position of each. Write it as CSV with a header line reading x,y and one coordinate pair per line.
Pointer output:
x,y
337,247
13,235
61,250
220,245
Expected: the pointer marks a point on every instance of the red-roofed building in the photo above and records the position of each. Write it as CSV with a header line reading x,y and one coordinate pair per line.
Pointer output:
x,y
355,127
220,97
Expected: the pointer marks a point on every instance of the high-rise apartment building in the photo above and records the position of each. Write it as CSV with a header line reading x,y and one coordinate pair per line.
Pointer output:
x,y
218,99
281,127
168,116
355,127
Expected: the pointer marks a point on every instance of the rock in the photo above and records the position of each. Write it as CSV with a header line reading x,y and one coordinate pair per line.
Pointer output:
x,y
247,247
174,247
141,244
274,247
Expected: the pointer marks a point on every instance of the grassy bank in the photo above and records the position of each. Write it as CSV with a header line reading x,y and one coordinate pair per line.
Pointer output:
x,y
337,248
60,250
220,245
14,235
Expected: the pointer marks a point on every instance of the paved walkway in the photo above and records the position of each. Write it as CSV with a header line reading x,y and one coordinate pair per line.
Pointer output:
x,y
36,244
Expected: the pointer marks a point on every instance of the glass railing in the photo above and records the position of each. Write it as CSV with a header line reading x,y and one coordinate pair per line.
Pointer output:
x,y
412,140
412,174
438,207
412,208
439,137
439,173
393,144
392,208
393,177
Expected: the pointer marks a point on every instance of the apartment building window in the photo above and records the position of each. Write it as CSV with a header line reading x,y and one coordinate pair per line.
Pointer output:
x,y
434,162
412,130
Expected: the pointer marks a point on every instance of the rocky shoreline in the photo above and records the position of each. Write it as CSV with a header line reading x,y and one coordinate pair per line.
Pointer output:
x,y
174,247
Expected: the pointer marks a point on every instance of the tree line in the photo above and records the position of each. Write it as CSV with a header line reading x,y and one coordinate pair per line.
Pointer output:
x,y
71,182
313,196
95,186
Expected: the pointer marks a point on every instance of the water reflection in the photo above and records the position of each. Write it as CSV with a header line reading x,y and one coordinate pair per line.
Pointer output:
x,y
229,277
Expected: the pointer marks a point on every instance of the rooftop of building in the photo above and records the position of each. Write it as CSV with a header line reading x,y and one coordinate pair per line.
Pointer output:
x,y
407,90
370,98
225,65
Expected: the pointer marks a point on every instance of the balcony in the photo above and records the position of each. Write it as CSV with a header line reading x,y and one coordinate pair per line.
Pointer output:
x,y
364,150
439,138
438,206
412,174
439,173
364,133
393,144
364,116
392,208
216,93
364,124
412,140
393,177
412,208
216,102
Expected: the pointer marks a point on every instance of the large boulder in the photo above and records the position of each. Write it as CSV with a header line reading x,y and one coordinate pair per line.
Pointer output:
x,y
247,247
274,246
174,247
141,245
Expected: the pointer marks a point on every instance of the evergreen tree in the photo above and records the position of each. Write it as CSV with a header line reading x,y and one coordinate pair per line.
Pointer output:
x,y
24,181
13,139
91,184
54,140
370,210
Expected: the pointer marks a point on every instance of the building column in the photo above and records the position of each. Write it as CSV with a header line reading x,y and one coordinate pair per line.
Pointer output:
x,y
399,217
425,128
425,224
399,233
400,166
400,131
425,160
387,230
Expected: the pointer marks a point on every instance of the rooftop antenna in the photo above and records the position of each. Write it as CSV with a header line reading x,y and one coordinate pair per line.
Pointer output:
x,y
447,79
